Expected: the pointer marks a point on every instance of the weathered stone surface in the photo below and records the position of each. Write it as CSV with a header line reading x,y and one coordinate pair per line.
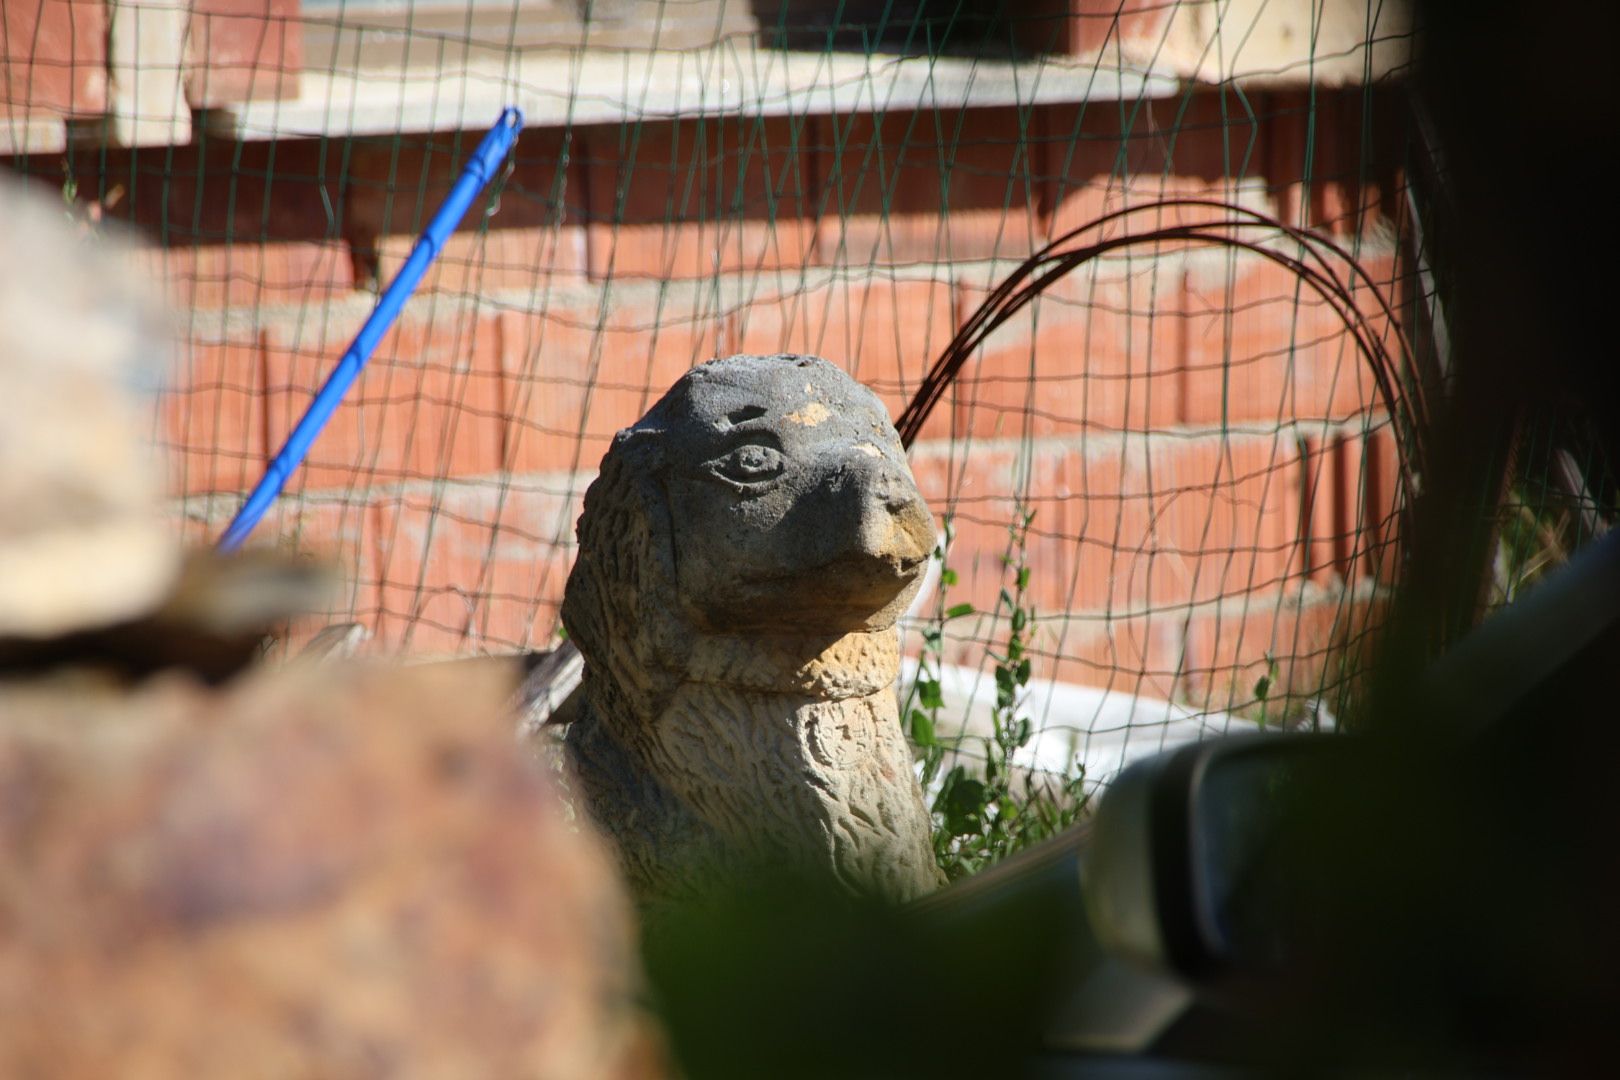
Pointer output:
x,y
91,574
323,872
81,542
743,557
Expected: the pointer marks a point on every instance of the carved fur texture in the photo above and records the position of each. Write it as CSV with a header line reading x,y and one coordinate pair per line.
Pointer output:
x,y
744,553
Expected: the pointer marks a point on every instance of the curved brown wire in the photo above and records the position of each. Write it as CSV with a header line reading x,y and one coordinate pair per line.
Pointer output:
x,y
1052,263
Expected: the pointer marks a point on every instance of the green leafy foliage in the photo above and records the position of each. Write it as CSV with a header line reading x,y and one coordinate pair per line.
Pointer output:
x,y
986,807
1262,691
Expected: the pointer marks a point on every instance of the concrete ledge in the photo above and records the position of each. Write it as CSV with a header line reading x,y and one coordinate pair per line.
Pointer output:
x,y
612,87
21,135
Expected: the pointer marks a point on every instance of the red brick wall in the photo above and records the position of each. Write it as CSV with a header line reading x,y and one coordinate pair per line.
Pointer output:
x,y
53,54
53,58
1212,475
243,50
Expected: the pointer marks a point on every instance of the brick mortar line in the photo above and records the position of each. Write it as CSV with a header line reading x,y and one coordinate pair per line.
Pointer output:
x,y
1118,443
219,507
563,483
725,294
1307,594
720,296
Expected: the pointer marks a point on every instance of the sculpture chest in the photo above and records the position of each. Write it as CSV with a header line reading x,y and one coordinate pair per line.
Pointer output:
x,y
824,781
795,759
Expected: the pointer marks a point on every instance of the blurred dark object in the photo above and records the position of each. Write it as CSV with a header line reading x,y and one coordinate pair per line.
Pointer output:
x,y
1438,893
982,29
788,980
1464,875
1525,320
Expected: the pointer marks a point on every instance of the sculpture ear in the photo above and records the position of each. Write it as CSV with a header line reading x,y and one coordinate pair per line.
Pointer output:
x,y
620,603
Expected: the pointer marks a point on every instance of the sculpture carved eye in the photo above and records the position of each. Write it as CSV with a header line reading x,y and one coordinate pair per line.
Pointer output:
x,y
749,464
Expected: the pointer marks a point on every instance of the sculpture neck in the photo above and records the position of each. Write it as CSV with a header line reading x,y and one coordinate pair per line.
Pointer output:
x,y
854,665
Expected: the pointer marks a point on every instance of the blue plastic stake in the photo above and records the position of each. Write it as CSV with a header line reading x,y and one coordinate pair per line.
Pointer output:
x,y
480,169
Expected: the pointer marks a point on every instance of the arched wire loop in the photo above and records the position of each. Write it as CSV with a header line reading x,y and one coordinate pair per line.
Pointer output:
x,y
1396,380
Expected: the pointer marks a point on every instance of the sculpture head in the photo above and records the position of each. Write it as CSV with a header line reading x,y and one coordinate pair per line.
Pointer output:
x,y
743,556
762,495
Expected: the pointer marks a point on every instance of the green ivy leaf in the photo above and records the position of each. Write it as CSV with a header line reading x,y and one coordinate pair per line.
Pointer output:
x,y
922,728
958,610
947,576
964,803
928,694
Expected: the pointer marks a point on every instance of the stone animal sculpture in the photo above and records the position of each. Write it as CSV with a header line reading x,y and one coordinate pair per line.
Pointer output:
x,y
743,556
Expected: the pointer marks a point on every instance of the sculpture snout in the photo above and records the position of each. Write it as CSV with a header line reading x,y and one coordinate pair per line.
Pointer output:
x,y
880,515
876,534
896,526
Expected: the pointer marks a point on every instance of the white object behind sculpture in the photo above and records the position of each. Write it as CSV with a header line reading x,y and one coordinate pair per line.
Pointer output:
x,y
1098,729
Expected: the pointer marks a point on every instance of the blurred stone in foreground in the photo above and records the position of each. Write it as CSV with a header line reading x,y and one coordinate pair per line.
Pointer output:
x,y
91,575
332,872
81,541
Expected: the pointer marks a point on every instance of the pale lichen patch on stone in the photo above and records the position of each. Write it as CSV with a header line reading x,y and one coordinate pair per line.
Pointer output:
x,y
809,416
